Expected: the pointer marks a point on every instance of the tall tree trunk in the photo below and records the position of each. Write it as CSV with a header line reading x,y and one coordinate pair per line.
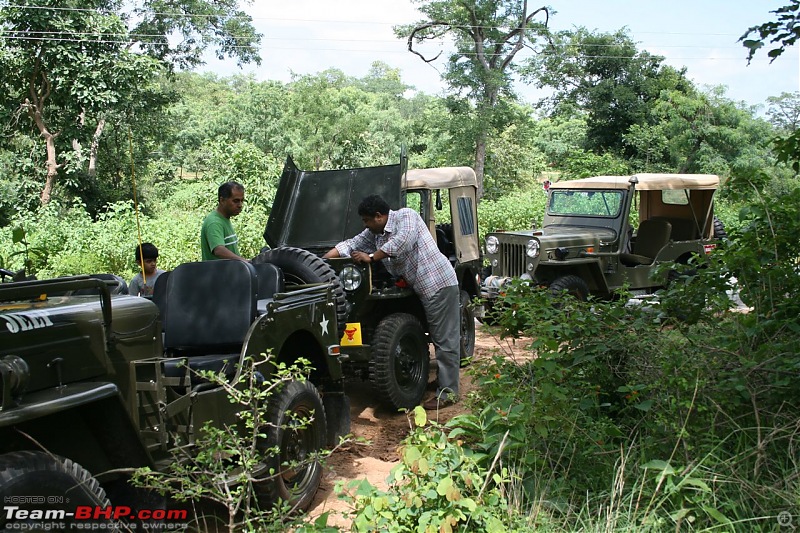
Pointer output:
x,y
480,159
101,124
50,143
34,106
52,166
485,109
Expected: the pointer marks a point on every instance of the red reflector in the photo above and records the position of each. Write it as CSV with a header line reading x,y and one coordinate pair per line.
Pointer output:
x,y
708,248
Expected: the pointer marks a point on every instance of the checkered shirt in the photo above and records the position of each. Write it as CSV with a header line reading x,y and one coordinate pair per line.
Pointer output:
x,y
412,252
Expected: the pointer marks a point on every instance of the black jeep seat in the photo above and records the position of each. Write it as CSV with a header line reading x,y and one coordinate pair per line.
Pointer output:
x,y
652,236
270,281
211,307
160,295
444,244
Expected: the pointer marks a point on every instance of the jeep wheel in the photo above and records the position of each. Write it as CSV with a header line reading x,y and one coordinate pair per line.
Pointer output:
x,y
574,286
297,468
301,267
53,478
400,361
467,328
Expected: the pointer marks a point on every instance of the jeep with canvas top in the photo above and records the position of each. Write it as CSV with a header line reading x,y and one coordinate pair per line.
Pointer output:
x,y
590,242
95,384
383,326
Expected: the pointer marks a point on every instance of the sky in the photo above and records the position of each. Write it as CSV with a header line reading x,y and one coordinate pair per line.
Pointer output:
x,y
309,36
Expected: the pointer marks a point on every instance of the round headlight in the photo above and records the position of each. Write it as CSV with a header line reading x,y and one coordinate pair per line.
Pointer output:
x,y
492,244
532,248
350,276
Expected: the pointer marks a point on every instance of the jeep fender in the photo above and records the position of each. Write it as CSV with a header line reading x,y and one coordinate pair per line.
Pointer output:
x,y
85,422
291,331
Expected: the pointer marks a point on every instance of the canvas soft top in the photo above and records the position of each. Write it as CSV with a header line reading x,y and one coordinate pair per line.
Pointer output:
x,y
646,182
440,178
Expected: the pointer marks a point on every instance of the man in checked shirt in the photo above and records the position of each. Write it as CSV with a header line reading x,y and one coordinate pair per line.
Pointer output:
x,y
403,238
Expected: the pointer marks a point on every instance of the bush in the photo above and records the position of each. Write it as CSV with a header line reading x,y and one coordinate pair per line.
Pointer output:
x,y
439,486
632,408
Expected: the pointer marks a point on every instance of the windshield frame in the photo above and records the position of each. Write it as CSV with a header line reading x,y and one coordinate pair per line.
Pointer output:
x,y
612,209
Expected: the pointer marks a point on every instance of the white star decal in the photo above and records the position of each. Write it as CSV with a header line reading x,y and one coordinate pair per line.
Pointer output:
x,y
324,325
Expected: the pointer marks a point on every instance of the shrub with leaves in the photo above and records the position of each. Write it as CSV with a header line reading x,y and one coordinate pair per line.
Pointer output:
x,y
439,486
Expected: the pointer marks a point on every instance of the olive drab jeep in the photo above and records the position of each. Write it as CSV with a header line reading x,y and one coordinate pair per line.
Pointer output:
x,y
590,242
94,384
383,325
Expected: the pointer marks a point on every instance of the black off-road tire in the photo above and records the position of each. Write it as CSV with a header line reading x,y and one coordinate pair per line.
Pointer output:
x,y
400,361
719,230
297,469
64,484
571,283
467,328
301,267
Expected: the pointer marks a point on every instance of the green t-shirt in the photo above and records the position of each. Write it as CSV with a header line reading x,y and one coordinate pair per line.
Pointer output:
x,y
217,230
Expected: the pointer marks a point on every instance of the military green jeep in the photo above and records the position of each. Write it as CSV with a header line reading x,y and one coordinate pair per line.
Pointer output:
x,y
94,384
587,244
383,326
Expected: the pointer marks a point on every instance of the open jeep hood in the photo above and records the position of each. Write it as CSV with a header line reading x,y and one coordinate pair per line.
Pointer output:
x,y
315,210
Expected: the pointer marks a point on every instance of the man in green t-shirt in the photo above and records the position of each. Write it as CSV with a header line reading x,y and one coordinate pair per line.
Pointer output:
x,y
218,240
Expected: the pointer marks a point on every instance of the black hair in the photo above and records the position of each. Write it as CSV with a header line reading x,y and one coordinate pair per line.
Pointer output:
x,y
373,205
147,251
226,189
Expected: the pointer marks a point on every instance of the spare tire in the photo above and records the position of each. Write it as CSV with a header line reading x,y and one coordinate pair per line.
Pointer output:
x,y
301,267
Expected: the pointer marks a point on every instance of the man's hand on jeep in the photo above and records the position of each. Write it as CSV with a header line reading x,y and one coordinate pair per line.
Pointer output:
x,y
361,257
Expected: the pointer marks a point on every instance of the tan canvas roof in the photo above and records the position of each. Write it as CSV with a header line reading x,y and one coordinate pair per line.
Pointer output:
x,y
647,182
440,178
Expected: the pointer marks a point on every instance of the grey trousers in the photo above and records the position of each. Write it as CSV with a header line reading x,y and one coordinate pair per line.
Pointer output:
x,y
444,321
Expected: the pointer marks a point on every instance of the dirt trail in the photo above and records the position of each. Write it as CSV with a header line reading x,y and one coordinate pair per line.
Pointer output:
x,y
385,429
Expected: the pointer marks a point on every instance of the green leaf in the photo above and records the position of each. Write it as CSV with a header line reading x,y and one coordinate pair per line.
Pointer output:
x,y
716,515
420,417
700,484
18,235
658,464
444,486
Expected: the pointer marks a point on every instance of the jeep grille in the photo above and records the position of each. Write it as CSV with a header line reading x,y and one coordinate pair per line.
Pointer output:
x,y
512,260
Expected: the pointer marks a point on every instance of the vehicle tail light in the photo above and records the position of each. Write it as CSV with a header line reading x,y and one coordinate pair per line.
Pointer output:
x,y
708,248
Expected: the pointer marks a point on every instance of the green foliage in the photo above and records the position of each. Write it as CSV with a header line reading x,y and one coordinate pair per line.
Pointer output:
x,y
701,133
439,486
687,406
514,210
781,33
582,164
608,77
223,464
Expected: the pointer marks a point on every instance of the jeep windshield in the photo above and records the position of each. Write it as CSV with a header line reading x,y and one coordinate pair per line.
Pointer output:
x,y
585,203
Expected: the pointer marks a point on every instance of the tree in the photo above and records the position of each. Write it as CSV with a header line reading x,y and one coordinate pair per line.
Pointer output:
x,y
706,133
487,34
62,73
784,111
605,75
781,33
72,63
200,24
